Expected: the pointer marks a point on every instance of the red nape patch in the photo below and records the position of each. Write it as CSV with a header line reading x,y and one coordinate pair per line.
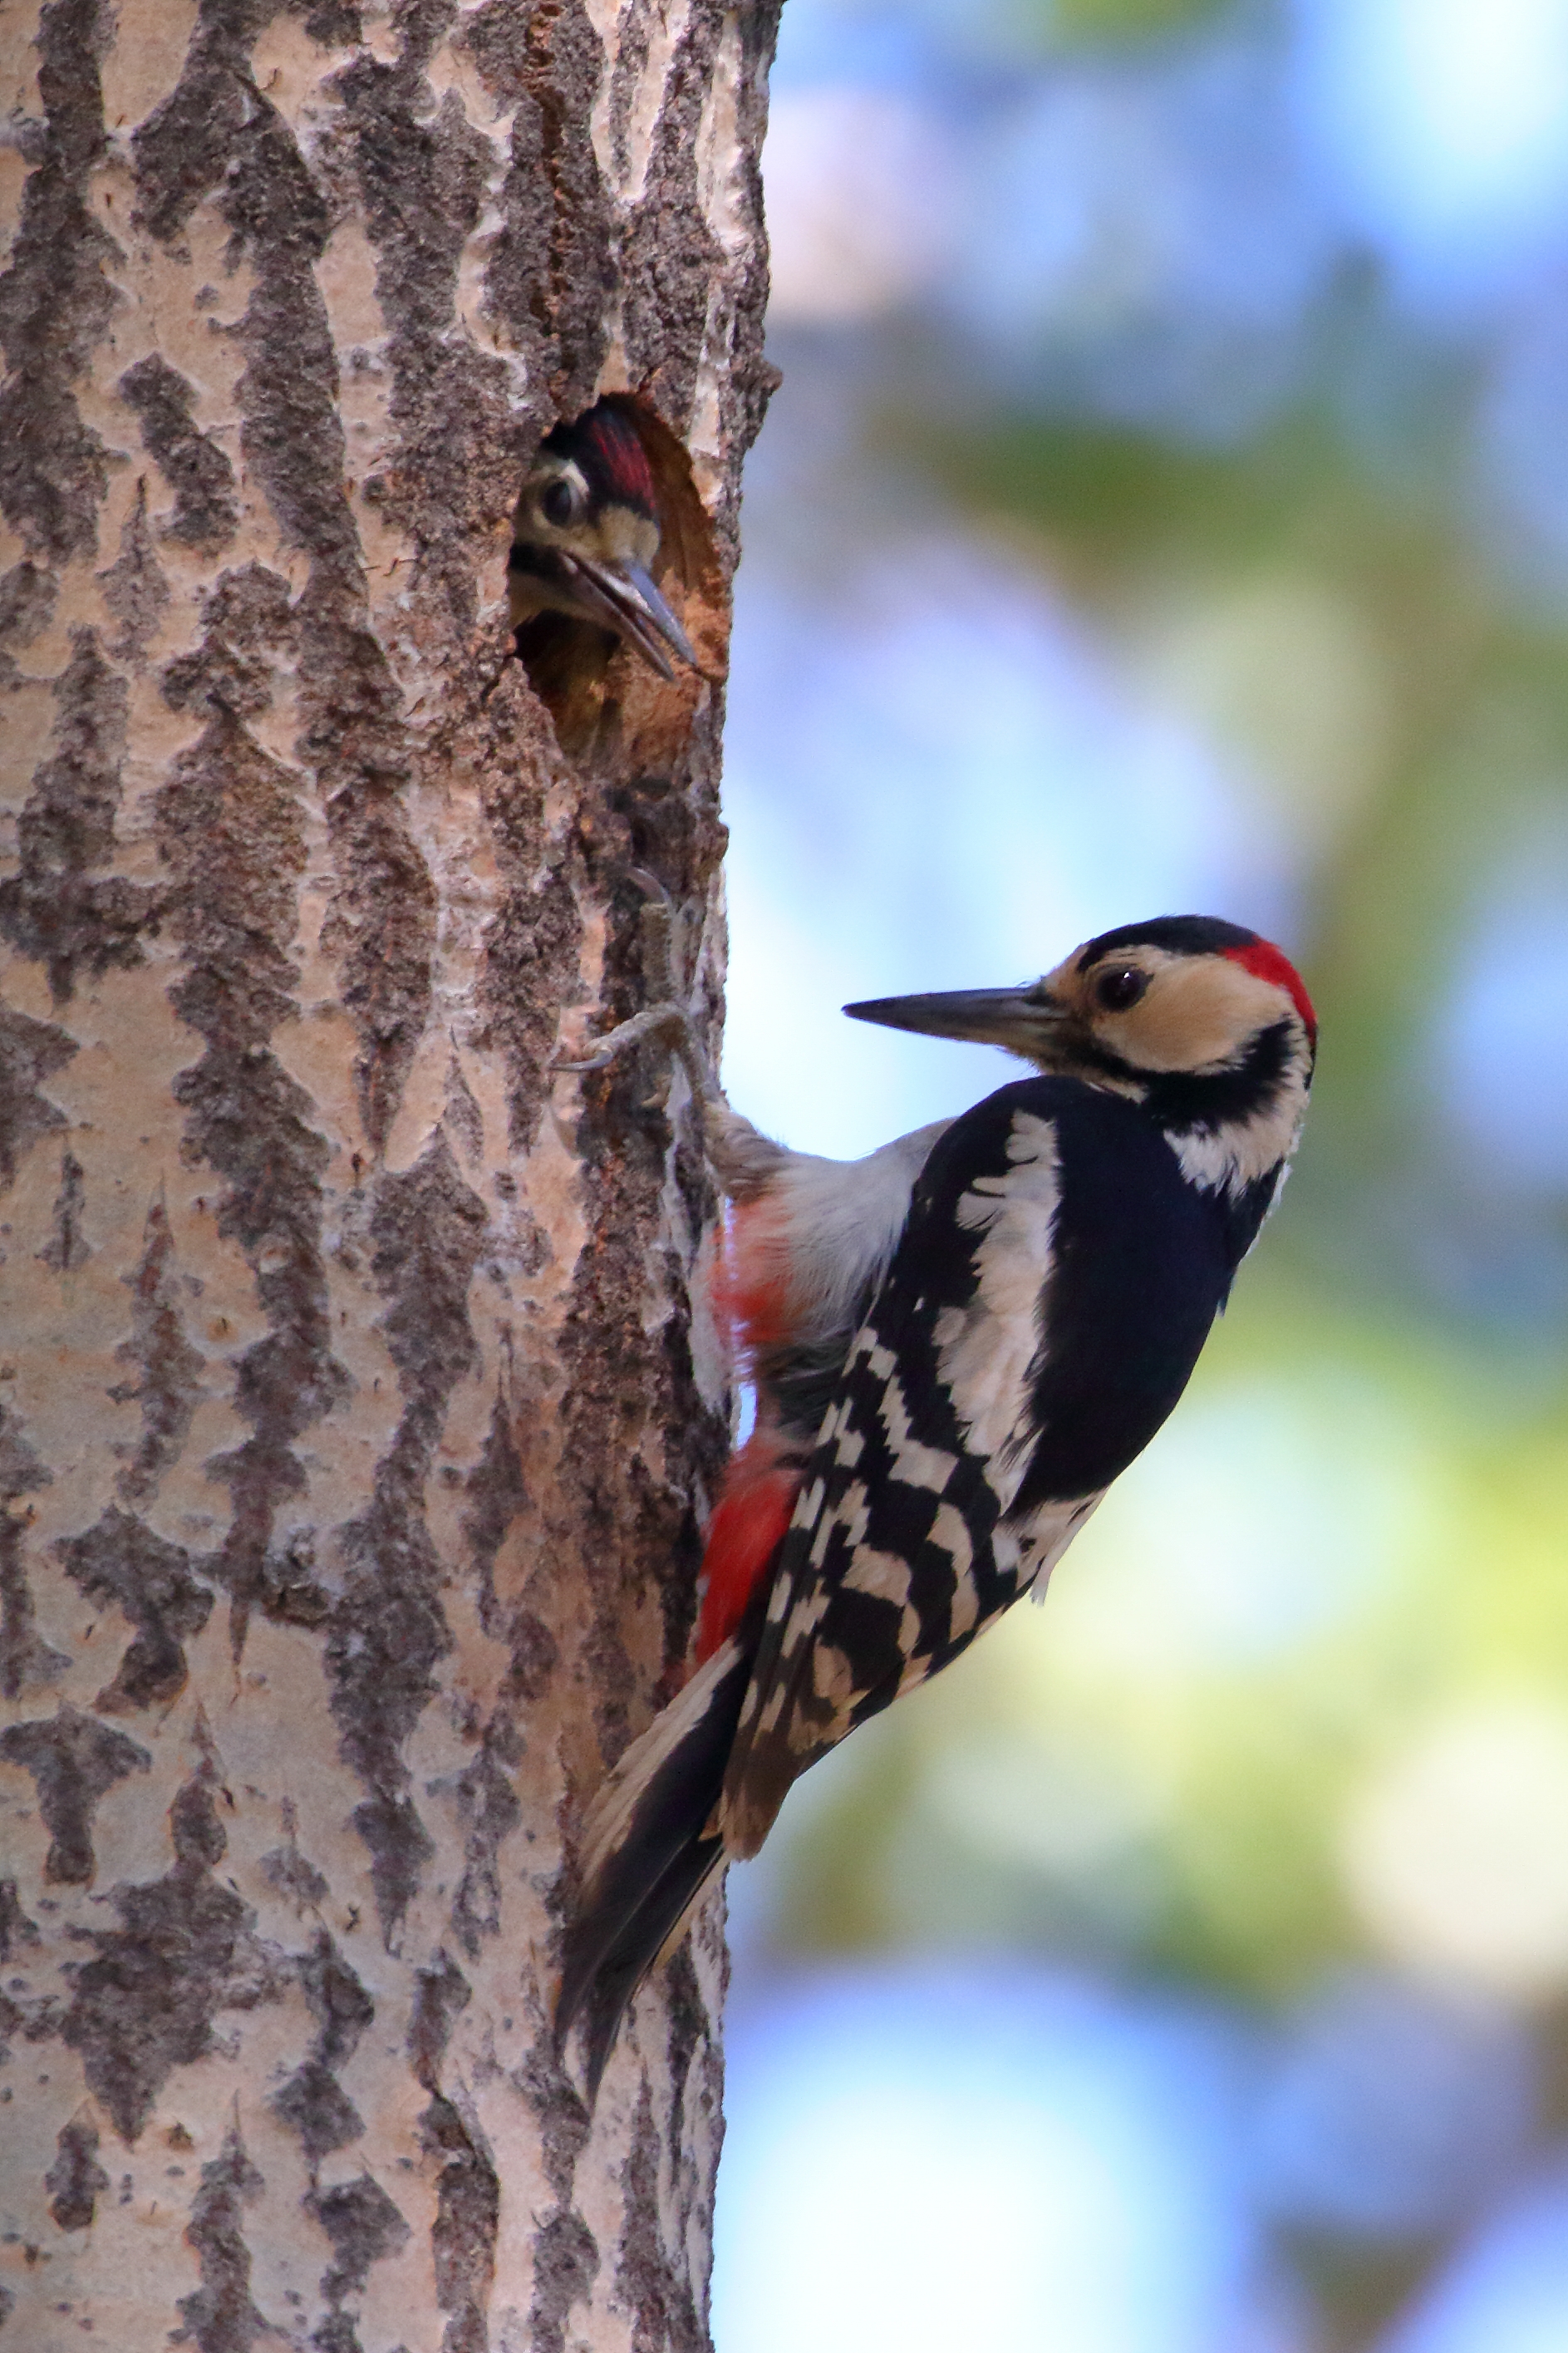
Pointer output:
x,y
1266,963
743,1536
621,459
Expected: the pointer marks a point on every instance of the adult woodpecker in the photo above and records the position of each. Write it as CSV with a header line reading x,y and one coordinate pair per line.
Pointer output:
x,y
957,1342
585,535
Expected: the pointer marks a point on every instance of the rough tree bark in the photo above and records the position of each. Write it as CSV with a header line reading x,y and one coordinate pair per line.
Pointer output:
x,y
356,1420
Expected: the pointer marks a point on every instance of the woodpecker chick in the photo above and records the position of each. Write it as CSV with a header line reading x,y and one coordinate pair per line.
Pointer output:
x,y
585,536
958,1343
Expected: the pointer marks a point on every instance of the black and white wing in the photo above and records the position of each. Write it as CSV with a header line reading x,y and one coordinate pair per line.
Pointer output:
x,y
1040,1317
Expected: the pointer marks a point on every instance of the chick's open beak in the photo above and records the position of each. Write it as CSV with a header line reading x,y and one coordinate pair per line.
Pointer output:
x,y
622,595
1019,1019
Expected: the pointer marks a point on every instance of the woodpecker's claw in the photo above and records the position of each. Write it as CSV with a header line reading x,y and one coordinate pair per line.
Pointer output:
x,y
672,1021
618,1041
667,1017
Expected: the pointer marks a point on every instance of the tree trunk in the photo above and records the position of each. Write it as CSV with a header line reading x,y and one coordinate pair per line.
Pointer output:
x,y
356,1419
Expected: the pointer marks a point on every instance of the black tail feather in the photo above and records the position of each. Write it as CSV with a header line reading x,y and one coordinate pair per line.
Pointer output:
x,y
649,1878
624,1967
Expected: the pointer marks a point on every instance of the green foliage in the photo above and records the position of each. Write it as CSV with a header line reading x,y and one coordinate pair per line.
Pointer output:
x,y
1083,21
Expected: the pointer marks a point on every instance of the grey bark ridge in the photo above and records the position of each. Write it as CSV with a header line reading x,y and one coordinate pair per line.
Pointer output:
x,y
358,1405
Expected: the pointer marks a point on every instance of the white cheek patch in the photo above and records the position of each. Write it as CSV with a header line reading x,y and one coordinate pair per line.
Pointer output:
x,y
985,1351
1229,1159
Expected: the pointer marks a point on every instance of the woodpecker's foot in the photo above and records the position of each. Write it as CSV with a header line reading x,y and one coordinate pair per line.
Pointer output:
x,y
670,1021
667,1017
744,1161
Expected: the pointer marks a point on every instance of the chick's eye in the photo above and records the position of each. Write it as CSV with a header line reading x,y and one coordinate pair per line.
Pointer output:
x,y
558,503
1115,991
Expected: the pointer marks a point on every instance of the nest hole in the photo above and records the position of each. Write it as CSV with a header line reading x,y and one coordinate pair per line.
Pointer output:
x,y
609,511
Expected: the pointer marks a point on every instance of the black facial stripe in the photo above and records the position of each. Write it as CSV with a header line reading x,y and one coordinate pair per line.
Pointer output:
x,y
1089,1054
1198,1103
1178,934
538,563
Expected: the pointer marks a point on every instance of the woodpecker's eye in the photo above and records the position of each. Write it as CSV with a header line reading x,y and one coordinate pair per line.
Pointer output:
x,y
1115,991
558,503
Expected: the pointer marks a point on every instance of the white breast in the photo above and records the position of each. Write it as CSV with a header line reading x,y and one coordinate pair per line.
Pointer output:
x,y
833,1225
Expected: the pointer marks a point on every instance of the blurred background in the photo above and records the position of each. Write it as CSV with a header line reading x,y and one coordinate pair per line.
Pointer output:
x,y
1166,510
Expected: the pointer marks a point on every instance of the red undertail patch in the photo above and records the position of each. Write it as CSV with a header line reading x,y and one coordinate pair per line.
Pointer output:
x,y
749,1285
754,1508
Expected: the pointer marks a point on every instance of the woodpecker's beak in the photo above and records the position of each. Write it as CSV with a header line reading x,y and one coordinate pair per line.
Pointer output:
x,y
1022,1020
623,597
